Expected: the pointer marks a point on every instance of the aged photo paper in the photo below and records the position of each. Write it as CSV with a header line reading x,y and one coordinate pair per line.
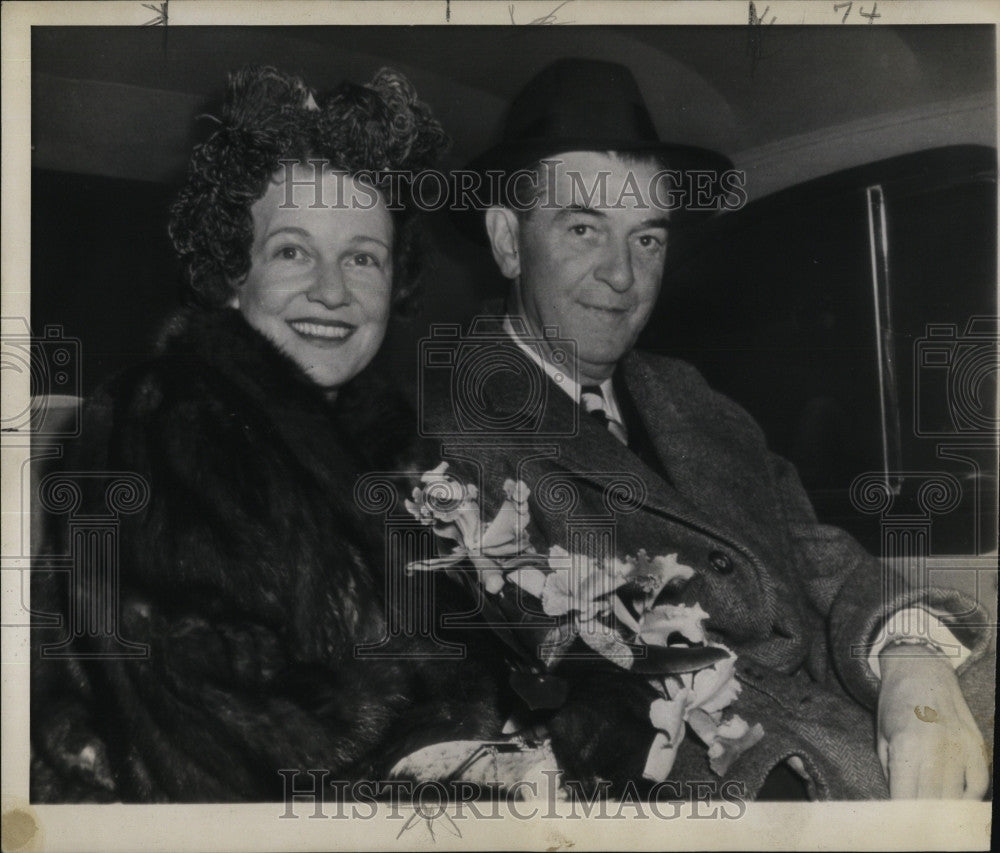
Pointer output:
x,y
771,290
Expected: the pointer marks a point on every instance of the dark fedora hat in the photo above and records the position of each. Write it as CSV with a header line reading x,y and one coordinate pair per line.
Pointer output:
x,y
580,105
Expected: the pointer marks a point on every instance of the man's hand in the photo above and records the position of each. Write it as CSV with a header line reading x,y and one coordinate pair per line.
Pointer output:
x,y
928,742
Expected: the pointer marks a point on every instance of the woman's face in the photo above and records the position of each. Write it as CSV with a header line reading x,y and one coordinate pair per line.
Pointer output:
x,y
320,277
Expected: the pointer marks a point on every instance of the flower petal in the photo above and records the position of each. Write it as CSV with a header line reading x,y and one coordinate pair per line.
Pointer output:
x,y
446,531
661,757
607,643
506,534
556,599
671,570
703,725
734,727
678,686
667,716
414,510
665,619
491,579
517,492
530,580
715,687
435,473
653,575
446,499
560,555
726,749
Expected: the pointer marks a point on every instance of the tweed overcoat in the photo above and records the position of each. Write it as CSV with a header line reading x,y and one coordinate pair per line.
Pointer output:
x,y
795,599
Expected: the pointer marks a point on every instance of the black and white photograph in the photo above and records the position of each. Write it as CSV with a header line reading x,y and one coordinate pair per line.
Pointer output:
x,y
499,425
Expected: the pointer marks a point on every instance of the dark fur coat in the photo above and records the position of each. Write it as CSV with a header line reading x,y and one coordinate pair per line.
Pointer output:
x,y
251,574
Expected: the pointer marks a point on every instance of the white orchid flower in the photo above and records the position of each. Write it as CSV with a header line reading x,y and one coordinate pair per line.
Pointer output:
x,y
507,533
453,509
667,717
658,624
699,699
580,584
531,580
652,575
715,687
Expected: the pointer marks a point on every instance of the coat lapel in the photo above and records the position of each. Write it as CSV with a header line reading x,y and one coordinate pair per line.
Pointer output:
x,y
710,459
590,452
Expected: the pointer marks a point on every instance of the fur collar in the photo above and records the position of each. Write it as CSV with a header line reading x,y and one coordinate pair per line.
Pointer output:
x,y
370,413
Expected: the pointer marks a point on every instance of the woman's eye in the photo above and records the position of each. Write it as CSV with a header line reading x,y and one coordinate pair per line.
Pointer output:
x,y
289,253
363,259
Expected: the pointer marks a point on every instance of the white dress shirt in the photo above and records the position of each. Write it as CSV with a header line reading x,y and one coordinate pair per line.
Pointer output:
x,y
564,381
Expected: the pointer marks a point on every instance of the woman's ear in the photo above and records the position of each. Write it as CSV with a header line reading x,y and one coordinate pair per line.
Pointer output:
x,y
503,229
234,294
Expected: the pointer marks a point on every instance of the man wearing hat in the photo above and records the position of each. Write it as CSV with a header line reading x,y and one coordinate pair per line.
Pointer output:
x,y
826,663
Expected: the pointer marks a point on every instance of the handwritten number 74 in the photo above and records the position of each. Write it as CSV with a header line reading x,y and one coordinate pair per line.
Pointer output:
x,y
871,16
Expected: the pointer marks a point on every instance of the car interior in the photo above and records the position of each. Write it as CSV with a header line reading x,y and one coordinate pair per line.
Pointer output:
x,y
849,305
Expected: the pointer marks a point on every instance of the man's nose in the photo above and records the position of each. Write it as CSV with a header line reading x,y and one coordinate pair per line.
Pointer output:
x,y
615,268
329,288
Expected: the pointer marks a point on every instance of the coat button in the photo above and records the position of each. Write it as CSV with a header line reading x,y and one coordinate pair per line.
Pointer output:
x,y
721,562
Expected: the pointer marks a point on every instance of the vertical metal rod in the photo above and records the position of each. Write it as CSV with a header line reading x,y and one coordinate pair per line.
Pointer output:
x,y
878,245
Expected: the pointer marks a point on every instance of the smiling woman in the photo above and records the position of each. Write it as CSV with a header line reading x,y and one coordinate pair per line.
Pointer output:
x,y
247,574
320,275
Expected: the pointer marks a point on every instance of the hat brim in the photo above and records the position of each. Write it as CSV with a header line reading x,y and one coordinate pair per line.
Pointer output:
x,y
510,157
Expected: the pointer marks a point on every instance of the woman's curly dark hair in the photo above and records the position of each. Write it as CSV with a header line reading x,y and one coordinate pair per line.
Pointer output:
x,y
269,117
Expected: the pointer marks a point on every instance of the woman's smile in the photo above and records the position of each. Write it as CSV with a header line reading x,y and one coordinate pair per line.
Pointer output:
x,y
323,331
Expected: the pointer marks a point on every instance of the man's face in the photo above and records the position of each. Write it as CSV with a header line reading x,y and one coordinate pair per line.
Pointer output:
x,y
592,268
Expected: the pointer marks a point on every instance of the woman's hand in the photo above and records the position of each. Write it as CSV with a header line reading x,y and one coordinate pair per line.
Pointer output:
x,y
928,741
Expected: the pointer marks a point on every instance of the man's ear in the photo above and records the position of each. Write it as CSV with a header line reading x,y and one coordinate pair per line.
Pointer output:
x,y
503,229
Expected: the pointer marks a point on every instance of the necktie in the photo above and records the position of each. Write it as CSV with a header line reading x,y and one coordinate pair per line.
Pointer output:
x,y
592,400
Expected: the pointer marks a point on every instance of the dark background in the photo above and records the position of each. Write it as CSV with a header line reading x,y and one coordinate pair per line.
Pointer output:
x,y
774,303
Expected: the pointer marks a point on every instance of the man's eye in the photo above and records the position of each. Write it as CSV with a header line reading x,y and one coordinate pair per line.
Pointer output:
x,y
581,230
648,241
